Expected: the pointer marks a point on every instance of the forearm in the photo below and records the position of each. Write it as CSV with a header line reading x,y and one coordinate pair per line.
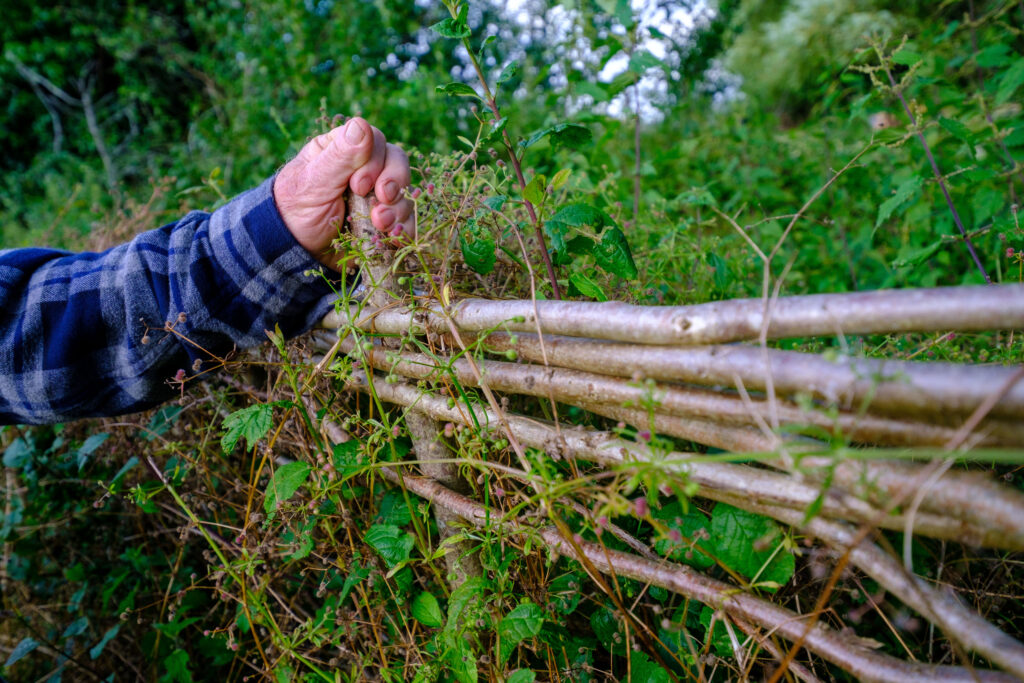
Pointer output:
x,y
84,334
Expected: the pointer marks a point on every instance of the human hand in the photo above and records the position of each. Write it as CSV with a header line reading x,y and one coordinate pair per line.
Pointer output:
x,y
310,189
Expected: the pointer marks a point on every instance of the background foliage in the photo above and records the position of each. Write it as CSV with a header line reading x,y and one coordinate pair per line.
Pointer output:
x,y
120,116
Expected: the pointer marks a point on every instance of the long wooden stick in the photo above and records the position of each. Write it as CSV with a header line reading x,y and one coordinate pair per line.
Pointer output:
x,y
996,307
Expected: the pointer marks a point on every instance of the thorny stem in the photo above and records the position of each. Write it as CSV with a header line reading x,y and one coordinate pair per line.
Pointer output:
x,y
516,165
938,175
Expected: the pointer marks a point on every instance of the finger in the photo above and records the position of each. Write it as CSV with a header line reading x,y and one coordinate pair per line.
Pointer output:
x,y
336,155
363,179
395,177
386,217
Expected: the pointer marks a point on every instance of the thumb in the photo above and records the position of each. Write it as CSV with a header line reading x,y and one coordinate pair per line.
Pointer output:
x,y
341,152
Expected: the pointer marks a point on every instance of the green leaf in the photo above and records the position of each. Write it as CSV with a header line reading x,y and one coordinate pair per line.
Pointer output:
x,y
521,676
462,661
496,128
510,71
457,89
89,447
252,423
1011,80
495,203
463,599
906,57
587,287
564,592
959,131
595,90
644,670
426,610
390,542
907,189
452,27
536,189
559,179
571,135
285,482
613,254
21,650
478,248
693,528
394,510
719,638
521,623
918,256
357,574
76,628
993,56
556,232
18,454
748,543
579,215
642,60
176,668
483,44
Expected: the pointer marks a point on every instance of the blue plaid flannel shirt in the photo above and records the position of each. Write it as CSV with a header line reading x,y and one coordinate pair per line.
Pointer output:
x,y
72,326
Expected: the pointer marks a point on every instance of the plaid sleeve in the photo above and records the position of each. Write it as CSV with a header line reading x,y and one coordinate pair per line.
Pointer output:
x,y
83,335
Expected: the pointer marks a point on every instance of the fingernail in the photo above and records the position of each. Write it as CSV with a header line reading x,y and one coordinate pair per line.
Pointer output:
x,y
390,191
386,216
354,133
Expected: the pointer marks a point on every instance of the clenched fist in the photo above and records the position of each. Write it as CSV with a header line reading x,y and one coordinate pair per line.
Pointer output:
x,y
310,189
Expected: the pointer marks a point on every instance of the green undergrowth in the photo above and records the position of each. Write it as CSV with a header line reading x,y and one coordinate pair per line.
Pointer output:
x,y
226,537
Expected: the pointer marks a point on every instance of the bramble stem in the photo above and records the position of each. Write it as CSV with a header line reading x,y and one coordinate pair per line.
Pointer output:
x,y
514,160
938,176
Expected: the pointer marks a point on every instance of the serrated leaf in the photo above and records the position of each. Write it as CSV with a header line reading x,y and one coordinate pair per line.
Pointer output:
x,y
564,593
521,623
457,89
510,71
993,56
250,423
748,544
495,203
1011,80
521,676
956,129
478,248
536,189
571,135
355,576
426,610
887,136
613,254
643,670
918,256
579,215
462,599
285,482
390,542
587,287
693,528
907,189
462,662
556,232
906,57
24,647
452,28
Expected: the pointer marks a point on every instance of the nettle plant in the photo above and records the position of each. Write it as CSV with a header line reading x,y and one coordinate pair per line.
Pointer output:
x,y
574,230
